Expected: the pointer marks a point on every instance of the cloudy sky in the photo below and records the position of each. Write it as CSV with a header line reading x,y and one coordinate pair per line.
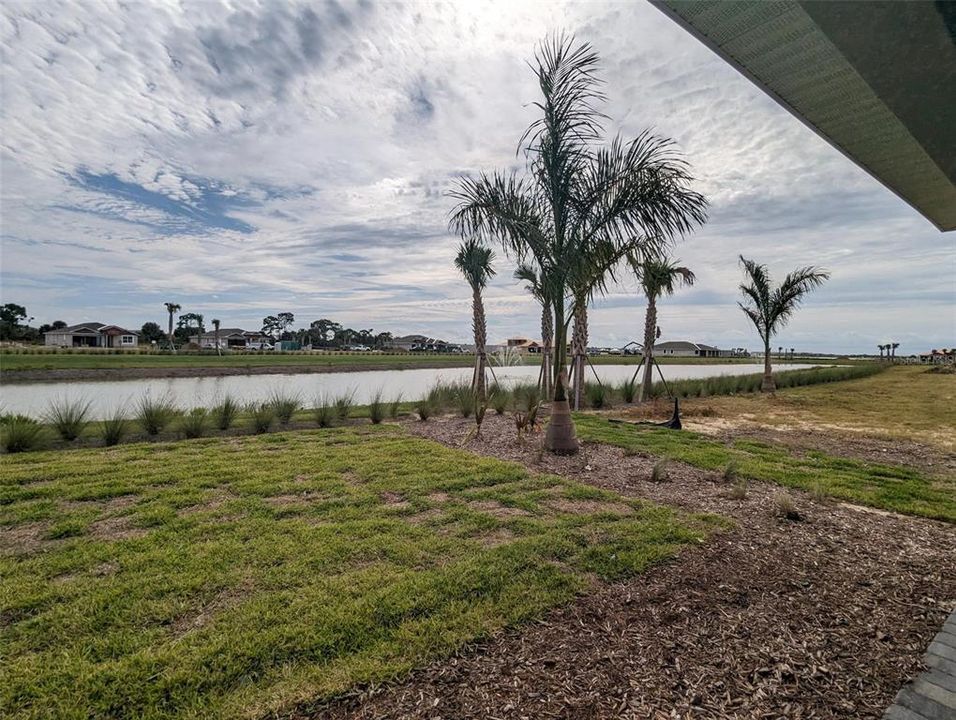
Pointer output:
x,y
248,158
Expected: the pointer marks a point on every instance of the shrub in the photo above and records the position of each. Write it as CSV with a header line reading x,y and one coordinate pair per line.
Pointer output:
x,y
224,414
154,415
343,405
324,413
425,409
525,396
465,400
284,406
628,390
597,395
785,508
395,406
113,428
69,417
739,490
661,471
193,423
376,408
261,417
498,398
730,472
19,434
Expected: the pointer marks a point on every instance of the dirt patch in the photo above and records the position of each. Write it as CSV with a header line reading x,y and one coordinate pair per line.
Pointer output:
x,y
590,507
113,504
293,499
24,538
438,497
214,502
496,509
116,528
202,616
394,500
824,618
494,538
424,516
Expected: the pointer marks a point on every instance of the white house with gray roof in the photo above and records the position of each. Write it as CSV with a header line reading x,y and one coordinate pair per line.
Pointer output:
x,y
92,334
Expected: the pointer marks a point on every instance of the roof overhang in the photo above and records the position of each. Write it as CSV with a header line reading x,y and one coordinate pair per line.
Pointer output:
x,y
877,80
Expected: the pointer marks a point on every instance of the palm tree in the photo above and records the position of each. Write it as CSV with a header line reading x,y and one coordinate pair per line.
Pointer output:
x,y
172,308
474,262
215,329
881,350
658,277
529,274
894,346
578,209
770,308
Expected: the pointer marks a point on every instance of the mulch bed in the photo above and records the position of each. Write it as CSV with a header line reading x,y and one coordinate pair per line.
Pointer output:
x,y
825,617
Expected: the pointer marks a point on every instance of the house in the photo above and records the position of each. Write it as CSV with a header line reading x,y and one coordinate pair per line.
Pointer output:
x,y
421,343
683,348
524,344
92,334
231,339
938,357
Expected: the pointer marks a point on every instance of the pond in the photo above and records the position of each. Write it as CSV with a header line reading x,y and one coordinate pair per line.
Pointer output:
x,y
106,396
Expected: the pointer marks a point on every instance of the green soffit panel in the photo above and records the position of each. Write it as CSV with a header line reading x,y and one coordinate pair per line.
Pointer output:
x,y
877,80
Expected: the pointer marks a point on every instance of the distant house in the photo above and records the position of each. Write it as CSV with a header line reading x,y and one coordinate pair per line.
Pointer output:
x,y
92,334
422,343
683,348
523,344
937,357
231,339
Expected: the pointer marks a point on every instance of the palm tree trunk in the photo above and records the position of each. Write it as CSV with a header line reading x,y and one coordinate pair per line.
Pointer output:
x,y
560,437
768,384
481,332
547,333
172,345
650,335
579,349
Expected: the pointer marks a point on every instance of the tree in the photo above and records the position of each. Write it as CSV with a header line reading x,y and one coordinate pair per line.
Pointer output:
x,y
11,315
151,332
881,350
323,331
275,325
579,208
770,308
894,346
172,308
474,261
530,274
215,329
657,277
185,325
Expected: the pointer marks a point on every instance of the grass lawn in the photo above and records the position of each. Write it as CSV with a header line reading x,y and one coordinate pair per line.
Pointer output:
x,y
231,577
903,402
900,489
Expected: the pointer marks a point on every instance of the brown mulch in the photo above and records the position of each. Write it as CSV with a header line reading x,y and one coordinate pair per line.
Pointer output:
x,y
822,618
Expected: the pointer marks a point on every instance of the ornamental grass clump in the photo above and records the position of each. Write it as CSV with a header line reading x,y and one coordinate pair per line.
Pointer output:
x,y
224,414
425,408
324,412
628,390
343,405
284,405
69,417
395,406
19,433
465,399
154,414
597,395
498,398
376,409
193,423
261,417
113,428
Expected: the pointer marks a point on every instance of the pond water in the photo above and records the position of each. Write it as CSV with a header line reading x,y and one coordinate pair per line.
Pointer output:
x,y
34,399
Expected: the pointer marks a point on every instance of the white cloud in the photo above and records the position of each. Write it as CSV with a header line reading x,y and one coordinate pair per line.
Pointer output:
x,y
142,140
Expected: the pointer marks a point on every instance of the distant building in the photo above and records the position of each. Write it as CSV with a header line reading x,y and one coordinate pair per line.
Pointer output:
x,y
231,339
938,357
92,334
523,344
684,348
422,343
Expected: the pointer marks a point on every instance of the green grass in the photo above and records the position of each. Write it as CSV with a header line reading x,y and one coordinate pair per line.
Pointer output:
x,y
234,577
888,487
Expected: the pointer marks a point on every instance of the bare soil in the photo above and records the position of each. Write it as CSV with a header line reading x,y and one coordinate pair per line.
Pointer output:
x,y
821,618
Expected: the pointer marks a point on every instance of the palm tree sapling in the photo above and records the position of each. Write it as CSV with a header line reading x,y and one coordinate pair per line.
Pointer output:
x,y
474,262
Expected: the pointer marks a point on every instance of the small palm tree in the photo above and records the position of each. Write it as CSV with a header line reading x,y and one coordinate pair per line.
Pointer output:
x,y
474,262
658,277
215,329
770,308
529,274
172,308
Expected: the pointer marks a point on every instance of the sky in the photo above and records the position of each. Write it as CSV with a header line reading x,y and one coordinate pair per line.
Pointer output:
x,y
249,158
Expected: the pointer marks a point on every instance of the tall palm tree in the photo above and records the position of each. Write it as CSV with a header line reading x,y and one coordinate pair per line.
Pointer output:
x,y
215,329
172,308
474,261
881,350
658,277
579,208
770,308
894,346
529,274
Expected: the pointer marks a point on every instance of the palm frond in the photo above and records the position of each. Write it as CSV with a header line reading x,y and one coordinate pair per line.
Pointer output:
x,y
474,261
